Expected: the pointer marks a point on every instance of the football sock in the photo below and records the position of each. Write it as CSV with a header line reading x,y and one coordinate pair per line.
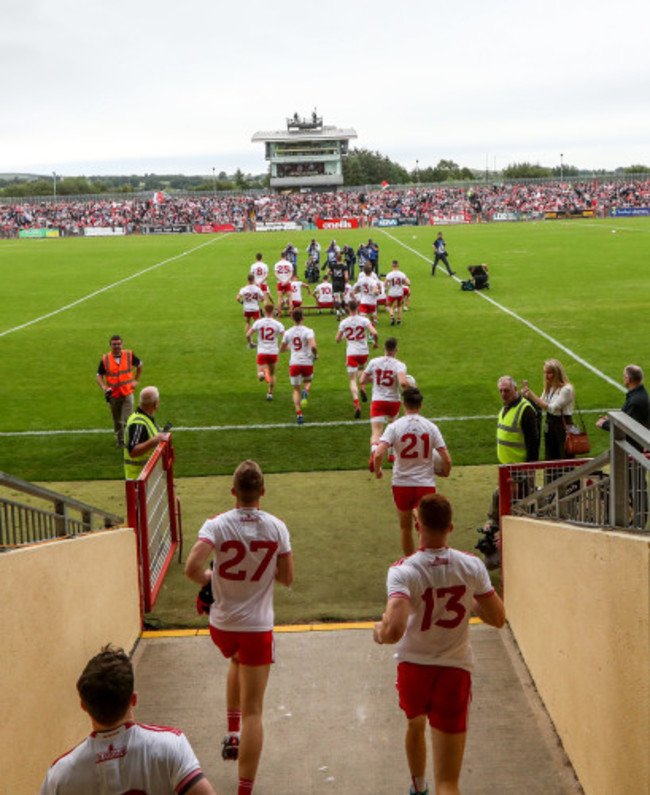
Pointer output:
x,y
356,403
233,717
245,786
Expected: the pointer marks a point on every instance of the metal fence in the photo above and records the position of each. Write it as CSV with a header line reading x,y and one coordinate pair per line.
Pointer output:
x,y
609,491
30,522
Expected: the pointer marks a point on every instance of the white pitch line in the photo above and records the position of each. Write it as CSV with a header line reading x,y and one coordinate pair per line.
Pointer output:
x,y
532,326
259,427
109,287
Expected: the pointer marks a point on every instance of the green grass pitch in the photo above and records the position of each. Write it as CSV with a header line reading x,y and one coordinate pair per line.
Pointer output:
x,y
584,284
173,300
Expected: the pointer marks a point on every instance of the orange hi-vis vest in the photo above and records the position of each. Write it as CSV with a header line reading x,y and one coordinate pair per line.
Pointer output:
x,y
119,376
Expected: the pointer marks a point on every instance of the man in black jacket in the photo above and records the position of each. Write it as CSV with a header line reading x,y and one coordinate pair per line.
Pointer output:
x,y
636,406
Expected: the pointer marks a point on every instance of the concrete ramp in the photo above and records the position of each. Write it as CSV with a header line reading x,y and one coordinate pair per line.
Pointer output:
x,y
332,722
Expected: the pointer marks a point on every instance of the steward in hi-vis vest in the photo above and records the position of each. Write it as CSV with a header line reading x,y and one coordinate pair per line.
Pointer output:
x,y
511,445
142,434
118,375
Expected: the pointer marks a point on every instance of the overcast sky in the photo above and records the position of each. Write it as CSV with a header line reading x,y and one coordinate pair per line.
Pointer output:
x,y
140,86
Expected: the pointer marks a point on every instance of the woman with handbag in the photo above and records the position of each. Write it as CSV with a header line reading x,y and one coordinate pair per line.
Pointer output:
x,y
557,401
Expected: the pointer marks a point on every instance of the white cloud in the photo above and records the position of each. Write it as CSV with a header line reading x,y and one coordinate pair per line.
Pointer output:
x,y
89,86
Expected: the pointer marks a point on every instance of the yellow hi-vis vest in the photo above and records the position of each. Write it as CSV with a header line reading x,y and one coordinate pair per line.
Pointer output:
x,y
511,445
134,466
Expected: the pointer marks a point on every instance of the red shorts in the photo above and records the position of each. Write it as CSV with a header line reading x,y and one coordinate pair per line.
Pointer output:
x,y
408,497
252,315
367,309
385,408
251,648
329,305
267,358
284,287
264,287
296,303
394,298
440,692
304,370
356,361
407,291
381,302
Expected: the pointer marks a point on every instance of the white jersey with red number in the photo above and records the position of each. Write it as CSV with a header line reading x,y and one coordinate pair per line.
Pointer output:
x,y
394,284
297,340
250,296
283,271
348,295
247,543
269,330
367,288
385,381
440,584
296,290
355,330
324,293
260,271
413,439
133,757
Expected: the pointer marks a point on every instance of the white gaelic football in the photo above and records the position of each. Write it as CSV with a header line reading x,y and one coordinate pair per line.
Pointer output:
x,y
410,381
437,462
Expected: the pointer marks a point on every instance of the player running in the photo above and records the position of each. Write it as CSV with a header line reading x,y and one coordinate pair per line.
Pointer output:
x,y
394,284
367,289
260,271
355,330
431,596
250,297
387,375
250,550
283,270
300,340
420,453
268,331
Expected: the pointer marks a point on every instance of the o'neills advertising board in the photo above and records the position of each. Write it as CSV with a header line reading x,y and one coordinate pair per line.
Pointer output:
x,y
278,226
202,229
103,231
454,218
337,223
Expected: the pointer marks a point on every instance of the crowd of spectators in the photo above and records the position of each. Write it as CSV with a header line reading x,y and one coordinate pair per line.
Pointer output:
x,y
419,204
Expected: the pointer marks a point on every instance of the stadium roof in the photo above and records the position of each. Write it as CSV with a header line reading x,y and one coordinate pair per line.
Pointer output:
x,y
322,133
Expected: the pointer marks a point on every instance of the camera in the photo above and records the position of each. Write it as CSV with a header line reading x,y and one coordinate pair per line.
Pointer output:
x,y
488,546
107,394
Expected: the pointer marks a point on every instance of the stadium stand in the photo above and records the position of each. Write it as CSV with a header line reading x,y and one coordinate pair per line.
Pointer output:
x,y
421,205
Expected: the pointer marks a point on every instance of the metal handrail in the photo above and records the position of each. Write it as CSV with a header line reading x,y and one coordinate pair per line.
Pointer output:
x,y
21,523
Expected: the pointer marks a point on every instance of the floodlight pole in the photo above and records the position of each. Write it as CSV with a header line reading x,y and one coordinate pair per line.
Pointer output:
x,y
214,181
561,167
54,184
417,171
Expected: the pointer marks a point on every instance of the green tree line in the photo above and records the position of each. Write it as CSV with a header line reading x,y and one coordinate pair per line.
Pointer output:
x,y
360,167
